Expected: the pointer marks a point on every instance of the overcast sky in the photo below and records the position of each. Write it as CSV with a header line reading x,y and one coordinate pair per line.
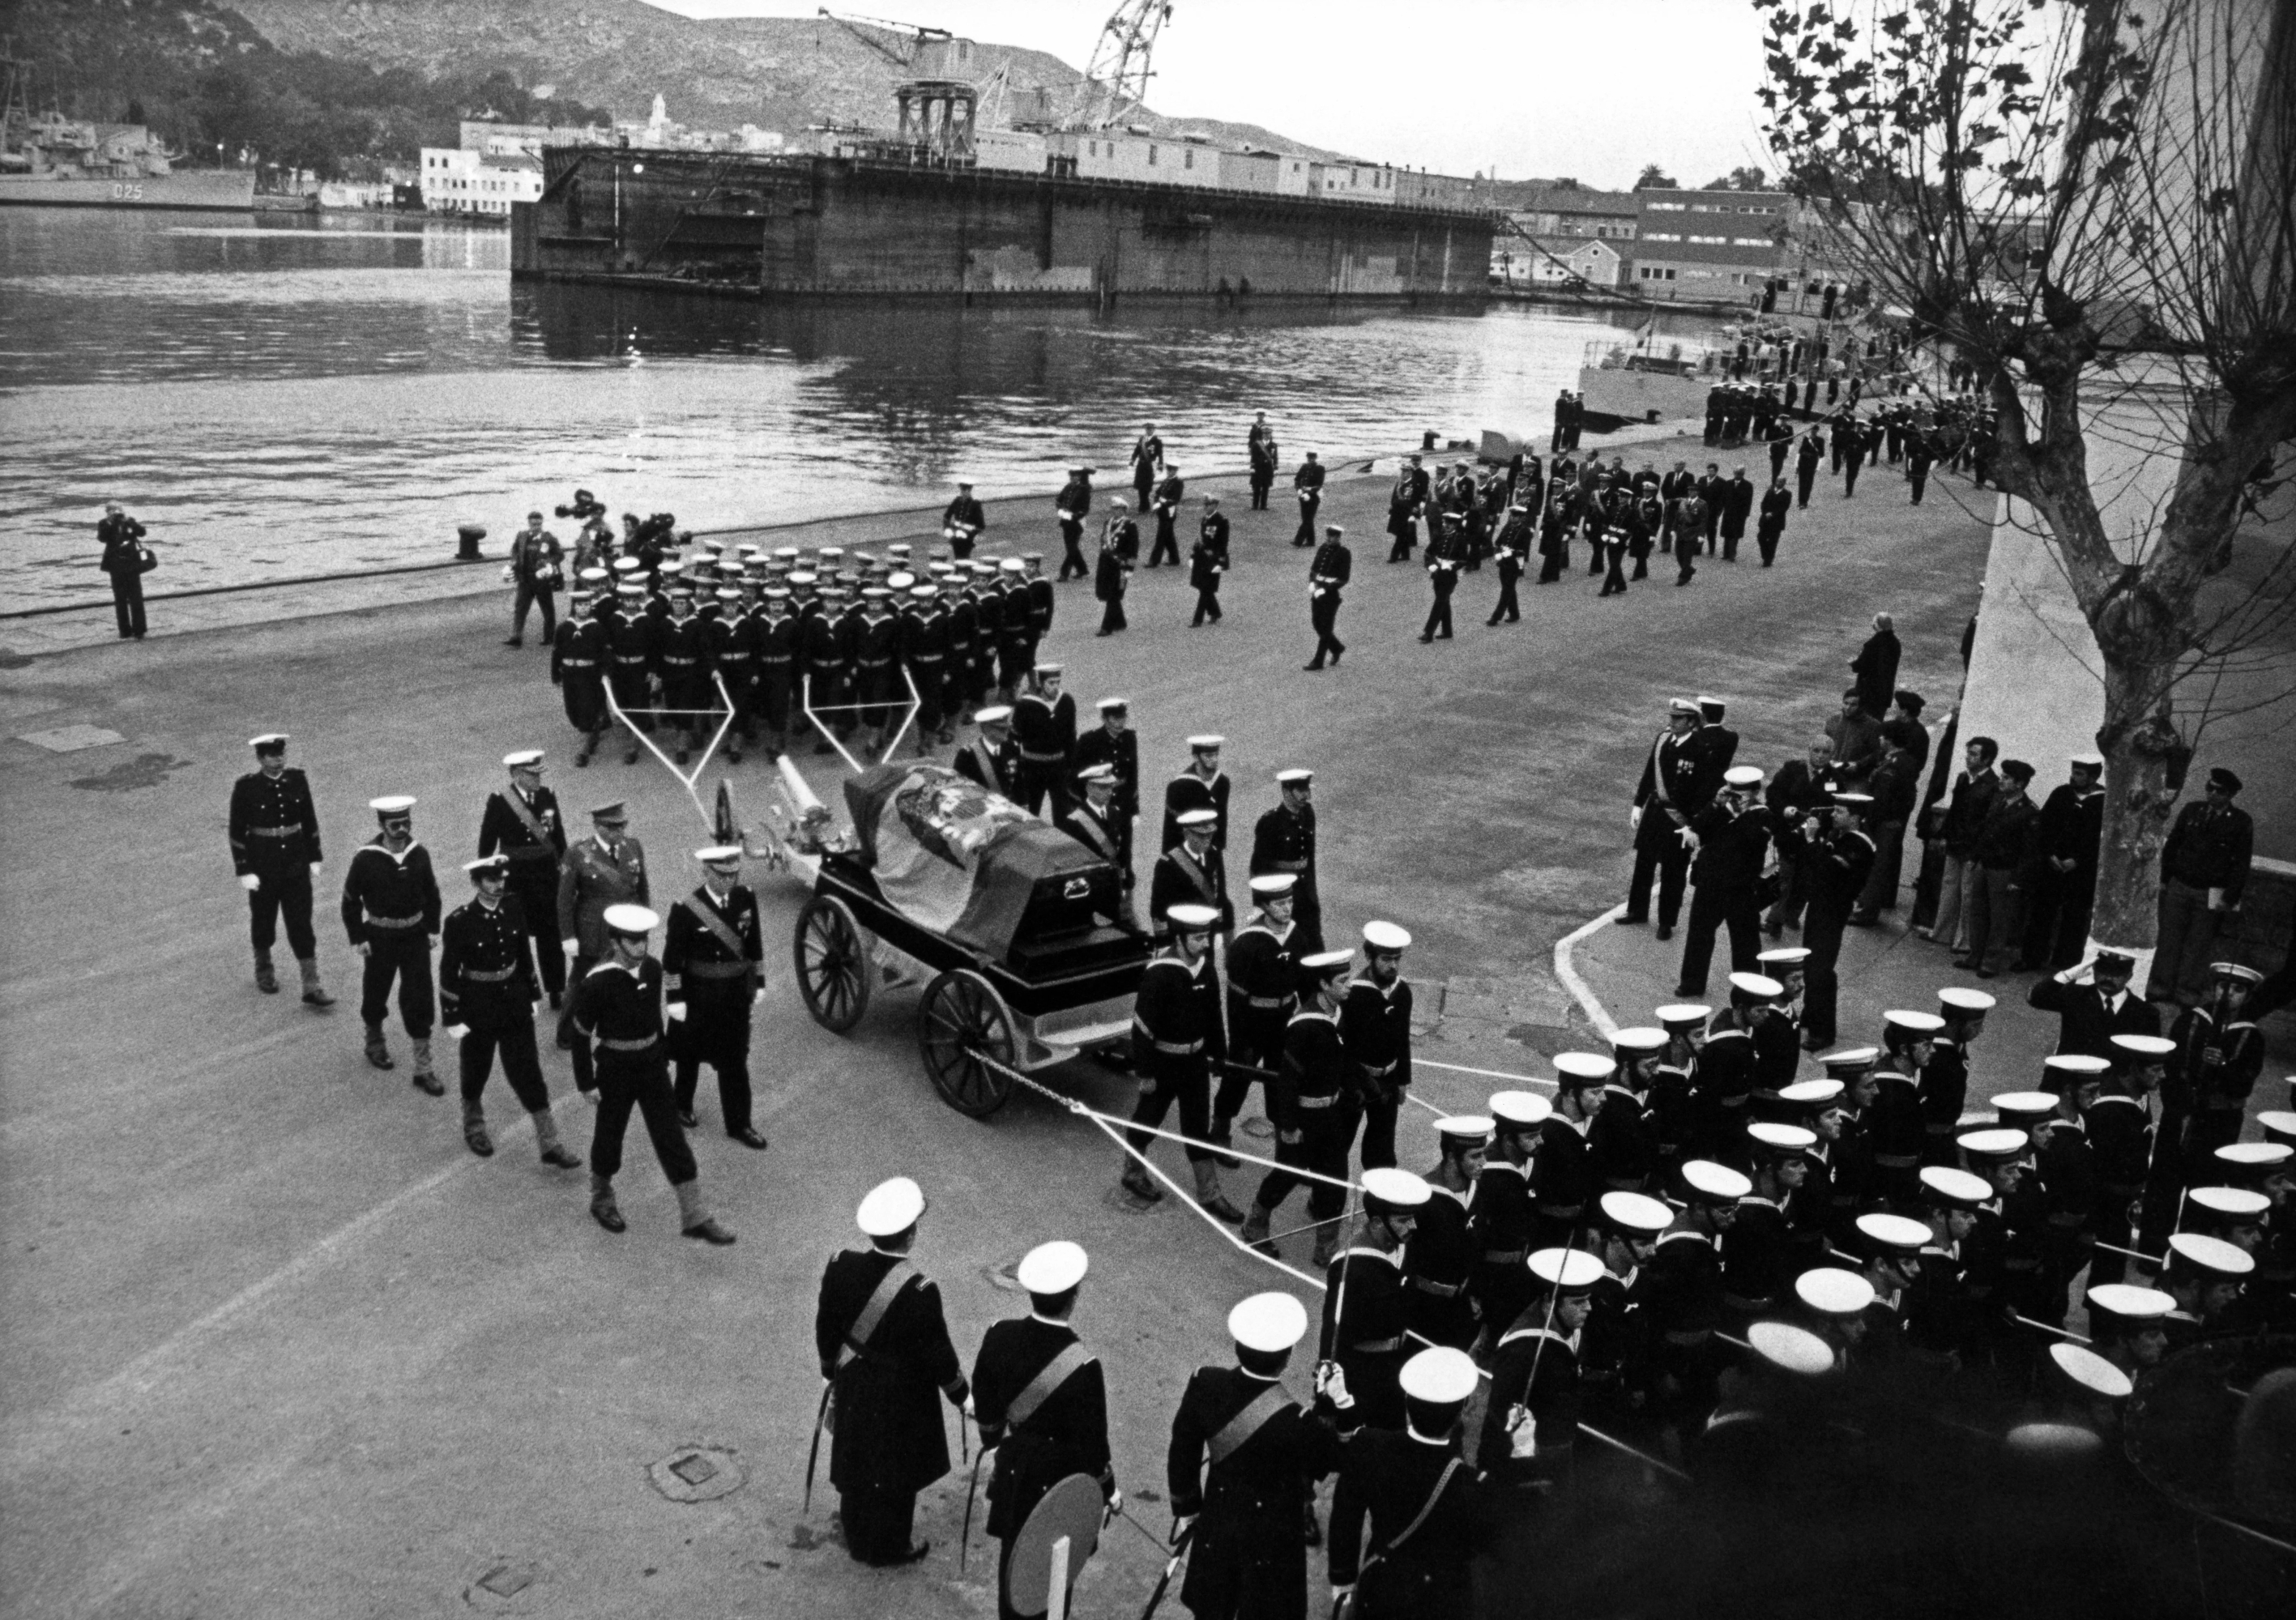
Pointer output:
x,y
1589,88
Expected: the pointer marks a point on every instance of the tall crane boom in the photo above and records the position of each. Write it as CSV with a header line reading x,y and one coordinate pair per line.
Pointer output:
x,y
1117,81
856,25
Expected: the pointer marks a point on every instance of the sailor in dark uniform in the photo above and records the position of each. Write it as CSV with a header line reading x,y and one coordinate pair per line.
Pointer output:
x,y
885,1354
1375,1024
1419,1497
275,851
1310,1104
522,823
1283,842
1622,1142
633,647
1072,505
1328,572
1192,872
486,1000
619,1005
1366,1301
1309,482
1041,1400
580,654
1202,786
923,649
1514,556
2121,1143
1530,1426
1243,1456
1114,744
1443,576
1840,859
1206,562
1177,1038
1147,456
775,654
962,521
1566,1185
1044,737
1442,1307
713,968
1505,1221
1263,976
1405,503
390,911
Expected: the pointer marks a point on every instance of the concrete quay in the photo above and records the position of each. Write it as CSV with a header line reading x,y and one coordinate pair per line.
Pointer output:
x,y
276,1345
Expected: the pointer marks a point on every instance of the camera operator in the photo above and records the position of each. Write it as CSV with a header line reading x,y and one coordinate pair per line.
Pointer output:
x,y
127,559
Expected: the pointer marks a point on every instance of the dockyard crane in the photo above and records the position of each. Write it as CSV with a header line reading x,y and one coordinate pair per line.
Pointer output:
x,y
858,25
1116,82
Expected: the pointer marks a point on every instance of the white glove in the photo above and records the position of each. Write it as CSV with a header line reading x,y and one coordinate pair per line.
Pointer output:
x,y
1180,1523
1635,818
758,996
1115,1503
968,1410
676,1012
1340,1594
1331,1381
315,869
1523,1435
573,946
455,1032
250,883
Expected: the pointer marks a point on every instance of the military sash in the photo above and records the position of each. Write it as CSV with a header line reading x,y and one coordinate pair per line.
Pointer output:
x,y
1098,835
520,808
1072,1359
873,1313
1249,1422
707,915
1196,874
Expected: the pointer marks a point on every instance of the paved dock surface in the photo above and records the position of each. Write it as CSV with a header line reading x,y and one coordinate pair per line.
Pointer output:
x,y
276,1345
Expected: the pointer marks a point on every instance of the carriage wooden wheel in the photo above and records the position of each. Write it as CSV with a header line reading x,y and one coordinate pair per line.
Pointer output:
x,y
832,963
962,1021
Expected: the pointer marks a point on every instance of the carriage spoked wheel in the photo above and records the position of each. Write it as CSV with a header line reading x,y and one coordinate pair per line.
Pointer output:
x,y
832,963
962,1021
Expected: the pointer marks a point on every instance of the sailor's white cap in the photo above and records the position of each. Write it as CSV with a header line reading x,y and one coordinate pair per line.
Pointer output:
x,y
391,804
1269,885
1896,1232
1636,1212
1441,1377
1198,818
1810,1093
269,743
1682,1014
1394,1188
716,855
1297,776
1917,1023
1106,704
1743,776
2215,1255
1052,1268
891,1208
1385,937
1207,740
2017,1107
1518,1110
2129,1303
2234,1203
1794,1349
496,865
1579,1068
1965,1001
1571,1271
1269,1323
1327,962
631,919
1715,1184
1050,669
1093,773
1466,1127
1851,1057
1758,984
1193,919
1831,1291
2091,1372
1956,1187
1012,565
1992,1144
1781,1139
1638,1038
2149,1049
1788,957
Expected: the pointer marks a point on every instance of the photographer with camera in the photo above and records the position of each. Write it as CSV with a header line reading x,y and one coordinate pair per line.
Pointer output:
x,y
536,569
126,559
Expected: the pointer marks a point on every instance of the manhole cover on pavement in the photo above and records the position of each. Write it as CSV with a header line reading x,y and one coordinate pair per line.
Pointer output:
x,y
72,739
500,1584
697,1473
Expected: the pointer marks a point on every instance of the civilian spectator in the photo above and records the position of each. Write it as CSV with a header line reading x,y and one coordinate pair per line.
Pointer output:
x,y
1876,666
535,563
2003,857
1957,830
127,561
1857,738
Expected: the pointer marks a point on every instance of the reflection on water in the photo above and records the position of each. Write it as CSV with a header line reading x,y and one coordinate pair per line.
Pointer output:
x,y
326,393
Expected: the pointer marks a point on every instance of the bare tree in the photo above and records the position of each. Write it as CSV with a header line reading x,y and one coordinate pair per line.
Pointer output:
x,y
2093,207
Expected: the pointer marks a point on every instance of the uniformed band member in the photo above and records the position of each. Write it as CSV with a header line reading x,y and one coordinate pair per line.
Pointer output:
x,y
1366,1303
1405,1511
487,993
1328,573
522,825
713,970
606,869
1375,1026
1042,1403
1442,1307
1262,991
1311,1103
390,911
1201,786
1243,1456
1177,1038
1284,841
274,853
617,1003
1505,1219
885,1353
1191,873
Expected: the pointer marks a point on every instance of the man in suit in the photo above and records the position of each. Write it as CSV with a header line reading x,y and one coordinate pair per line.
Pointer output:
x,y
1665,799
1794,793
1809,455
1875,666
1041,1400
885,1353
1737,506
1712,489
1956,829
1770,527
1734,837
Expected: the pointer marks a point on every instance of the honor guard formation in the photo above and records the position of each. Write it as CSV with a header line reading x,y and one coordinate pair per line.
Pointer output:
x,y
1737,1242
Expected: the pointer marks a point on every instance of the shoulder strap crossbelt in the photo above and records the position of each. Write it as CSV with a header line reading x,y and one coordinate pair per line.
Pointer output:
x,y
1249,1422
1427,1507
872,1313
518,807
706,915
1072,1359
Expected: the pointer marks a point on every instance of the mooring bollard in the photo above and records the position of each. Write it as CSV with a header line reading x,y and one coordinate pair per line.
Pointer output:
x,y
1427,439
470,534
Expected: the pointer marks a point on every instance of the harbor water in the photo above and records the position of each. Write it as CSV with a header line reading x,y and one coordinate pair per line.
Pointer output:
x,y
320,394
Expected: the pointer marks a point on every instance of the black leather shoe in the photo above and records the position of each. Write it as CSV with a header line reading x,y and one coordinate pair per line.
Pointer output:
x,y
749,1137
606,1215
1665,931
709,1231
558,1159
685,1117
429,1086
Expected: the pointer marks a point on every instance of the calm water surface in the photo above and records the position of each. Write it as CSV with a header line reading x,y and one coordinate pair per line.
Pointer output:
x,y
321,393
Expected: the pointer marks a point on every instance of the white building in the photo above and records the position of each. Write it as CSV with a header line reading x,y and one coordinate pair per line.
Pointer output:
x,y
458,181
1546,261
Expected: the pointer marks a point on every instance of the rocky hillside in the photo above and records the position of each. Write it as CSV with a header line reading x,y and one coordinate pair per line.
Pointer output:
x,y
776,72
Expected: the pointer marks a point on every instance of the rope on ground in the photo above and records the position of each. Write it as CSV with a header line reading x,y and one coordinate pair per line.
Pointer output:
x,y
1488,1074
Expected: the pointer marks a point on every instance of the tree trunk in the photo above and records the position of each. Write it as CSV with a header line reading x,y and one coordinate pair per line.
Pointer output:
x,y
2139,741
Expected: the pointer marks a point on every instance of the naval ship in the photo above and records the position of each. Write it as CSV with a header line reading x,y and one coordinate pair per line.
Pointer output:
x,y
53,160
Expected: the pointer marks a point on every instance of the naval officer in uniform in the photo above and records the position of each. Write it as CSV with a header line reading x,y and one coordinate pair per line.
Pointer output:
x,y
487,993
275,852
713,966
521,822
